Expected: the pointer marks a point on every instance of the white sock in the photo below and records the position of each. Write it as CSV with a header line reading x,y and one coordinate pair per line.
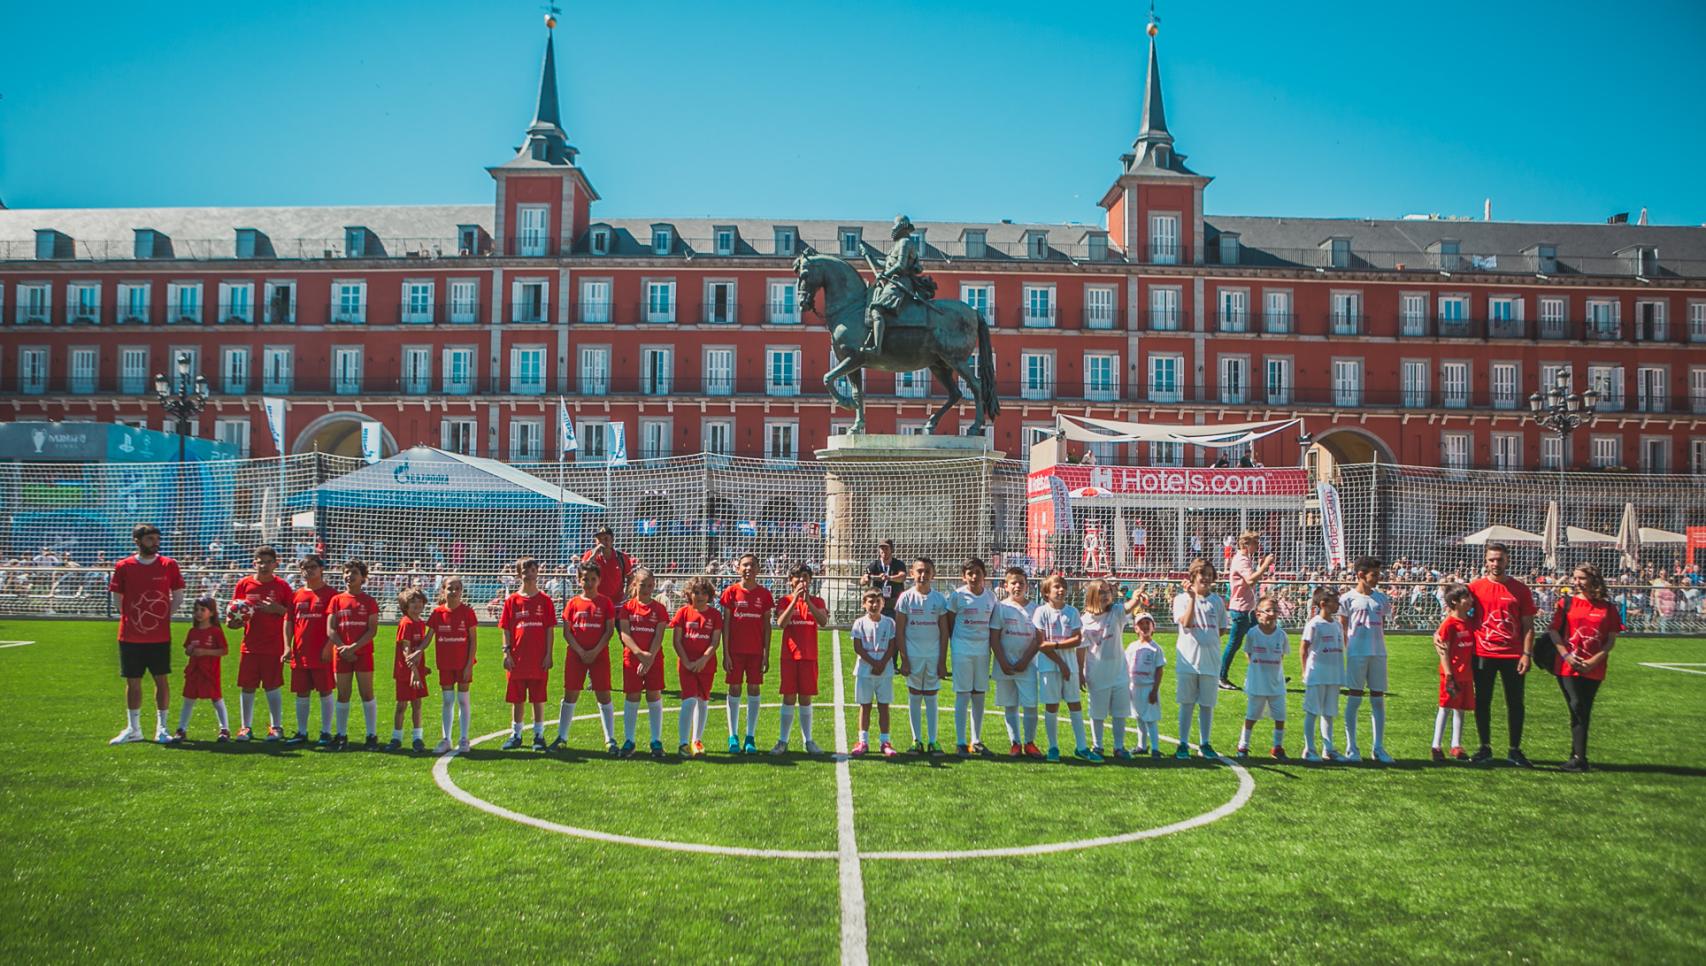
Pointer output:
x,y
1279,734
246,708
343,718
962,711
1309,721
1353,704
1030,726
1154,728
418,735
932,717
370,714
630,718
449,712
328,708
787,721
465,703
396,734
806,722
703,713
607,718
914,712
135,718
515,728
654,718
1096,730
1077,718
565,717
1439,726
1456,727
1011,717
1377,710
977,701
1244,737
302,704
1327,733
1184,725
1051,728
865,735
734,715
1205,724
275,708
1119,735
684,726
224,720
539,730
160,716
752,715
189,705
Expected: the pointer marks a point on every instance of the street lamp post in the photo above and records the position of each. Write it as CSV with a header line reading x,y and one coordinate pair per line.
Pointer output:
x,y
183,399
1563,412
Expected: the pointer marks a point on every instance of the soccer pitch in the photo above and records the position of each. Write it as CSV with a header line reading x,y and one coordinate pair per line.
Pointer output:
x,y
212,851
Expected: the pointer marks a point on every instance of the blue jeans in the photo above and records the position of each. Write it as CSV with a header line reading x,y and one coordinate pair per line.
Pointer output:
x,y
1242,621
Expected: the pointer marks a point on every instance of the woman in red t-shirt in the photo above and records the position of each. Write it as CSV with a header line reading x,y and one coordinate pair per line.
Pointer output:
x,y
1584,628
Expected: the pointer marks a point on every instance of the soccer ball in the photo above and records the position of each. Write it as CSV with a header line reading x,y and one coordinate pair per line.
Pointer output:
x,y
238,612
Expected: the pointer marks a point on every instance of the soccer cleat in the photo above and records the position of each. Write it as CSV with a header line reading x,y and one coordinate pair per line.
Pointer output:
x,y
224,735
1122,754
179,735
917,747
1458,753
698,749
813,749
443,747
325,739
1312,756
1016,751
372,743
419,744
1227,685
781,748
299,738
657,750
933,748
734,745
539,743
1032,751
340,742
1208,751
1381,756
1352,756
1437,755
164,737
395,744
559,743
962,750
1090,755
1278,753
463,747
1183,753
684,749
511,743
750,747
244,734
860,748
1155,753
1241,751
275,733
1482,754
626,751
1053,754
612,749
1519,759
888,749
1574,765
125,737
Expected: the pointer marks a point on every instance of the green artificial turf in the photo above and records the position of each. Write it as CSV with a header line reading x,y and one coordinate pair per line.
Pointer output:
x,y
210,852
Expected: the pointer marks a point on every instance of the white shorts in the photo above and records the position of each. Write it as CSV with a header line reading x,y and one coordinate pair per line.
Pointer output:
x,y
1365,671
923,673
1113,701
1202,690
1053,687
873,690
1142,708
971,672
1259,706
1016,692
1321,700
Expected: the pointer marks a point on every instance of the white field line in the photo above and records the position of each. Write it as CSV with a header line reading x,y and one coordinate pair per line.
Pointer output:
x,y
1682,666
853,951
6,644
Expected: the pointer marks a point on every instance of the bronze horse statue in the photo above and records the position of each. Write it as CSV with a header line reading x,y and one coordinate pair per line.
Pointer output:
x,y
940,335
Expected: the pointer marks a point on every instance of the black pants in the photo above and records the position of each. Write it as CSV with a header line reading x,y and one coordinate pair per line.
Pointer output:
x,y
1578,694
1486,669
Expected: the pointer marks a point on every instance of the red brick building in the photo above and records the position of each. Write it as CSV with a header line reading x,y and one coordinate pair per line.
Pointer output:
x,y
1414,341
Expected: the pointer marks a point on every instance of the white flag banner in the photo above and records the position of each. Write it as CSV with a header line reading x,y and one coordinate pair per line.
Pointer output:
x,y
1332,523
275,420
618,445
370,440
566,442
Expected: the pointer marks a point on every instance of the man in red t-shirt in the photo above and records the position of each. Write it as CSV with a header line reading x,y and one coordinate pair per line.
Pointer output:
x,y
146,589
309,672
614,566
1504,645
261,664
526,619
352,618
746,615
589,618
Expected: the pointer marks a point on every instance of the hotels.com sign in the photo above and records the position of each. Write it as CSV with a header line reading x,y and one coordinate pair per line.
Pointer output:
x,y
1170,481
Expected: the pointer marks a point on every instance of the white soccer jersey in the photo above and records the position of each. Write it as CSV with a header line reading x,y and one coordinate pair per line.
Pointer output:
x,y
972,613
1266,651
1365,618
1017,632
1143,660
876,636
1199,643
1325,663
1057,625
1104,660
923,611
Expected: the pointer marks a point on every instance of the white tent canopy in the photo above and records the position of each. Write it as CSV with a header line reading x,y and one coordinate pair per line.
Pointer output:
x,y
1498,533
1655,535
1087,429
1581,537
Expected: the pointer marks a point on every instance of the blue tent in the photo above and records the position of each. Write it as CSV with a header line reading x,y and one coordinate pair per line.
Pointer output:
x,y
425,478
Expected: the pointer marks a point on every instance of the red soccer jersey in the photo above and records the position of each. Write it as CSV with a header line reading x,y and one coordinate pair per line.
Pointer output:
x,y
203,670
145,614
697,627
748,618
349,613
529,619
585,620
613,571
308,624
452,630
410,633
1458,639
644,620
1587,627
264,633
1500,606
799,627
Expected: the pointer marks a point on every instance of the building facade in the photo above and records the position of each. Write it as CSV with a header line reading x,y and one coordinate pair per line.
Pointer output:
x,y
1414,340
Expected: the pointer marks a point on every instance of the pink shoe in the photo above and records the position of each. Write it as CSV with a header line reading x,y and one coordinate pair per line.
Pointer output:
x,y
888,750
860,748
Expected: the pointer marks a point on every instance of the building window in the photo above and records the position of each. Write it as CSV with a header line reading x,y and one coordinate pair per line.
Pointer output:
x,y
1347,382
133,375
1276,311
1234,380
464,301
1166,454
1507,451
1697,457
84,364
784,306
276,370
1453,315
459,435
281,303
468,240
1505,315
1234,310
781,441
234,370
237,302
535,233
355,242
1164,378
725,241
717,437
657,370
595,301
977,243
1454,384
1608,382
1099,306
1164,239
185,299
194,355
1339,253
719,372
527,370
346,370
1414,382
784,241
1102,376
529,301
719,302
1607,451
850,243
417,302
1038,370
660,301
782,372
593,435
1546,259
1655,454
980,296
83,302
1448,256
914,384
1412,314
1602,320
1551,452
133,302
1650,389
349,302
1552,320
417,370
233,433
1650,322
594,374
526,440
1278,372
600,242
1164,309
1505,383
1347,313
654,439
1039,305
1228,249
1697,321
663,241
458,371
1454,451
1697,389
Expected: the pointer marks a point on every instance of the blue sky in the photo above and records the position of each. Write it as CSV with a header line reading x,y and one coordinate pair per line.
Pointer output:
x,y
947,109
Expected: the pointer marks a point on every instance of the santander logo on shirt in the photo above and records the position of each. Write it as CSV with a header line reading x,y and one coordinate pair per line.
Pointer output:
x,y
532,614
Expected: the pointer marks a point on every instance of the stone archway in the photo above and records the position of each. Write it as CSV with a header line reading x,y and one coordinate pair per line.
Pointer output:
x,y
339,434
1341,445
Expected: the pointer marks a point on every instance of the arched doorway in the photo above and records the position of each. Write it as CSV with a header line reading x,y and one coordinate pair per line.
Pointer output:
x,y
340,435
1342,445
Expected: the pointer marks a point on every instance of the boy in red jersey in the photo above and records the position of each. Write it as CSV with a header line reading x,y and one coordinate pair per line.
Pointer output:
x,y
640,622
408,665
589,619
205,647
746,614
310,673
526,619
800,615
146,589
1454,641
453,622
261,663
352,618
698,629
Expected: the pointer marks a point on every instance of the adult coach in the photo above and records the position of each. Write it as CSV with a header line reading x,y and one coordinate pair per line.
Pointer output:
x,y
146,588
614,566
1504,646
886,575
1244,575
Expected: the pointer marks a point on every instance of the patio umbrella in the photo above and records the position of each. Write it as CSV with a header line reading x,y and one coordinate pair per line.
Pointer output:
x,y
1581,537
1498,533
1629,537
1655,535
1549,535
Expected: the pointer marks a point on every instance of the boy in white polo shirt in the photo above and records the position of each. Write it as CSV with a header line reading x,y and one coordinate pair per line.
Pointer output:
x,y
921,623
1200,614
1145,665
873,679
1323,656
1363,611
970,610
1102,662
1264,682
1058,672
1014,641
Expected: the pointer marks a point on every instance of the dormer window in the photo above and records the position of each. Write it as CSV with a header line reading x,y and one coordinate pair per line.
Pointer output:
x,y
851,243
784,241
599,241
470,240
1228,248
148,244
663,240
977,244
1646,262
1036,244
355,242
1339,252
1545,259
725,241
249,242
52,243
1449,250
1096,247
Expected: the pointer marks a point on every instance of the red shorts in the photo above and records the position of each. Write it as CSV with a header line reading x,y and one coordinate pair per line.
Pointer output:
x,y
407,691
633,683
525,690
264,671
799,677
747,667
697,684
450,664
576,671
202,684
315,679
1465,698
362,664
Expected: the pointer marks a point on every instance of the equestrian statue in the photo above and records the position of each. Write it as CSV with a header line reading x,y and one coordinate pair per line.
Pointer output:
x,y
898,325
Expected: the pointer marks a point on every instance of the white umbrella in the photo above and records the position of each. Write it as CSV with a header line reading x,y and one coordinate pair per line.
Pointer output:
x,y
1580,537
1629,537
1498,533
1655,535
1549,535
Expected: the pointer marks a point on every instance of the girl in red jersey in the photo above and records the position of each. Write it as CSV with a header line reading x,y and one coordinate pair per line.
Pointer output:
x,y
205,646
1584,629
800,615
352,618
408,666
698,630
640,622
1455,644
452,623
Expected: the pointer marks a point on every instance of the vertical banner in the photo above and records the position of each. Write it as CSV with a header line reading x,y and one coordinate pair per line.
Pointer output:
x,y
370,440
275,421
1332,523
566,442
618,445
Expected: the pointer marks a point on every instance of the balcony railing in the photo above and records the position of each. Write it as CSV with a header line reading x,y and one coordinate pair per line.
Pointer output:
x,y
1346,323
1170,321
1101,318
1278,322
1232,321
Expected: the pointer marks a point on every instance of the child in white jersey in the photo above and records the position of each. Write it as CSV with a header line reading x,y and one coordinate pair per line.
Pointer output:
x,y
1200,614
1102,660
1145,664
1265,649
921,623
1363,612
873,681
1062,631
971,608
1323,656
1013,644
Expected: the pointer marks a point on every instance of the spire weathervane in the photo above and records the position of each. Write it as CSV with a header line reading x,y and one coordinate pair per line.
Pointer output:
x,y
1154,21
552,11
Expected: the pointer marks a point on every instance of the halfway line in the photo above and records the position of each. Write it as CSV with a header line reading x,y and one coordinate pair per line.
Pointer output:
x,y
852,880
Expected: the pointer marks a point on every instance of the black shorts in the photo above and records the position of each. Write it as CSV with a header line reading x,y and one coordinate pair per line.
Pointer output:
x,y
135,660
